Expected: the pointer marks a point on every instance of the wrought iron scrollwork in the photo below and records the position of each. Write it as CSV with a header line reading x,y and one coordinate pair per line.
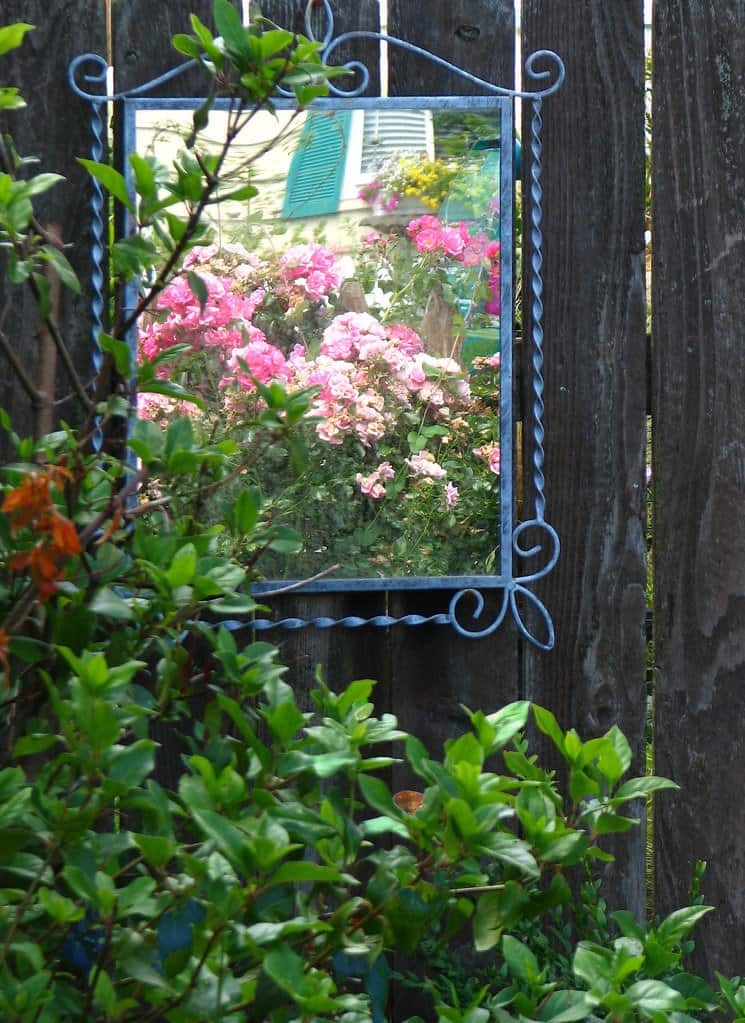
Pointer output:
x,y
544,75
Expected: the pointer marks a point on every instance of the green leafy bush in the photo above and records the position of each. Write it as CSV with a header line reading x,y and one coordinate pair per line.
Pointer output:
x,y
231,895
279,864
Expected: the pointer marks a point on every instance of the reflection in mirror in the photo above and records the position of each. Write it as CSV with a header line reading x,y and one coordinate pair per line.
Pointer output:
x,y
361,271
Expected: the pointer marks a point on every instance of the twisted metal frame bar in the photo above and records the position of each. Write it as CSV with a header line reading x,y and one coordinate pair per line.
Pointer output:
x,y
469,599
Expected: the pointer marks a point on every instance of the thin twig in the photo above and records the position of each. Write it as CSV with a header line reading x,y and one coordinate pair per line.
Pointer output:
x,y
26,381
291,587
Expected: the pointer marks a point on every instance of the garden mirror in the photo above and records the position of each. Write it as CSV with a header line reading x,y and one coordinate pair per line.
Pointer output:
x,y
362,258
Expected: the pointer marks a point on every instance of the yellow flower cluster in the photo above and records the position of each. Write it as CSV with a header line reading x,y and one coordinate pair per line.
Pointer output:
x,y
428,180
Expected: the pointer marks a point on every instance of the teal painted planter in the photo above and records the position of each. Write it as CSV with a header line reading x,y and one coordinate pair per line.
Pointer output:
x,y
479,343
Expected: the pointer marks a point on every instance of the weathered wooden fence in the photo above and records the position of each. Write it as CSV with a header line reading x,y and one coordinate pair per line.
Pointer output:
x,y
596,393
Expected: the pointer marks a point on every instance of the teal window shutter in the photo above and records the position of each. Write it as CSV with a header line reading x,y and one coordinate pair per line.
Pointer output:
x,y
317,168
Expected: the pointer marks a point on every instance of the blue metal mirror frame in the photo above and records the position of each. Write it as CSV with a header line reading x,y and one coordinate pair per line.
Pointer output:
x,y
468,599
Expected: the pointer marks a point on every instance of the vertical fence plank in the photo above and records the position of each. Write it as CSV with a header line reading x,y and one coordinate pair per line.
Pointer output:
x,y
699,461
595,379
342,654
434,670
55,128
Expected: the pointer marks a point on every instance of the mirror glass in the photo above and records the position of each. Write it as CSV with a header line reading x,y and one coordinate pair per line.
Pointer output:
x,y
364,267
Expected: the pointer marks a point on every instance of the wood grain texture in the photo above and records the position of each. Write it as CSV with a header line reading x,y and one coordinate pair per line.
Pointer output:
x,y
595,380
54,128
341,654
434,670
699,461
143,47
476,35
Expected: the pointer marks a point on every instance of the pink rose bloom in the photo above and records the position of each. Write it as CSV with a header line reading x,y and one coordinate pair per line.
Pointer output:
x,y
405,338
428,221
372,348
312,267
329,432
427,240
200,254
491,252
346,333
495,457
472,254
451,495
423,463
265,362
415,378
371,485
494,360
451,241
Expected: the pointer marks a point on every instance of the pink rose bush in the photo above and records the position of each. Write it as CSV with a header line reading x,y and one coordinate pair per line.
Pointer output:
x,y
402,455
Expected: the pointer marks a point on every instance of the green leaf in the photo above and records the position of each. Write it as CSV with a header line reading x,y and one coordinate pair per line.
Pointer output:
x,y
566,849
635,787
356,692
548,724
246,512
120,353
653,996
104,994
567,1007
232,842
29,745
510,850
613,823
145,183
182,568
62,267
239,195
495,912
170,390
273,41
198,288
10,99
507,722
284,721
377,795
111,180
520,960
622,753
231,28
592,964
45,295
156,849
39,184
60,908
108,604
11,36
132,764
186,45
303,870
680,922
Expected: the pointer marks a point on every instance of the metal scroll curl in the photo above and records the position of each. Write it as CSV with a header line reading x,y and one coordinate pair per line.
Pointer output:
x,y
540,622
553,75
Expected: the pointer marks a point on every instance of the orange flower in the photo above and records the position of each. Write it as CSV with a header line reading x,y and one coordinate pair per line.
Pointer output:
x,y
28,500
30,504
63,533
